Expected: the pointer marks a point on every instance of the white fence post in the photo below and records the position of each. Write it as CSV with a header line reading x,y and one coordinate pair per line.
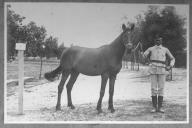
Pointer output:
x,y
20,47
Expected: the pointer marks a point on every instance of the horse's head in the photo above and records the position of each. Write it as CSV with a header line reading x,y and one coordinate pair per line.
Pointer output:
x,y
127,36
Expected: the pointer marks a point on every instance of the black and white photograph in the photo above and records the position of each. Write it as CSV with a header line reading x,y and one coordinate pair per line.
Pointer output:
x,y
90,63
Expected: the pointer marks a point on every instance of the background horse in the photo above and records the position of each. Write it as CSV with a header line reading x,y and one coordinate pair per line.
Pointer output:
x,y
105,61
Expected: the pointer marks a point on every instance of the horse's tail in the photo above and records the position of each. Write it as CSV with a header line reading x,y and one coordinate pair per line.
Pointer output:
x,y
51,75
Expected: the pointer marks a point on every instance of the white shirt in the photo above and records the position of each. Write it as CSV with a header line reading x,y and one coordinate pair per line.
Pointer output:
x,y
159,53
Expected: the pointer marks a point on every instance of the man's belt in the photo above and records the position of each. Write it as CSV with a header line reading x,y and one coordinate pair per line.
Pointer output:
x,y
167,68
158,61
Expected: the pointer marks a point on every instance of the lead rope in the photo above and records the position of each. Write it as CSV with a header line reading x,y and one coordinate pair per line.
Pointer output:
x,y
133,51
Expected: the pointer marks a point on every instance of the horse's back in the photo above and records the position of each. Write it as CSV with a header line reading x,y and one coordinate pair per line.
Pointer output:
x,y
90,61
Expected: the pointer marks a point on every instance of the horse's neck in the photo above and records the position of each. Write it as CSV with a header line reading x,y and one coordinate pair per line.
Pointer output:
x,y
118,47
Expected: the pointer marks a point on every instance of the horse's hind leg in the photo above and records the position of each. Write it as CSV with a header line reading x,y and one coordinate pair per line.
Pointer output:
x,y
65,75
69,87
104,78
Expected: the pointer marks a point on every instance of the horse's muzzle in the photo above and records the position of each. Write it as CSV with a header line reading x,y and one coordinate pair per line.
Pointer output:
x,y
129,46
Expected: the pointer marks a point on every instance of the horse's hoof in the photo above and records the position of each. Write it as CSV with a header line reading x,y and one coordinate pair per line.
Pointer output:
x,y
100,111
58,108
112,110
72,107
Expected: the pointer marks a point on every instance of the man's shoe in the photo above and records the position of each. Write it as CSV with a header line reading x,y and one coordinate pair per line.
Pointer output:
x,y
154,102
160,101
161,110
153,110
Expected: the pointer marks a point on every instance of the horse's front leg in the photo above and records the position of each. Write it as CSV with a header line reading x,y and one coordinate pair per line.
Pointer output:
x,y
104,78
111,92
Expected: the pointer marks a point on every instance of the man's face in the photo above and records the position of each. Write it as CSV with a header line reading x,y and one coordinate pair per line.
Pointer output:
x,y
158,41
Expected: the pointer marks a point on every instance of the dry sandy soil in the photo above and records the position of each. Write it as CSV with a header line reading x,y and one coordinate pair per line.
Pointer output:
x,y
132,100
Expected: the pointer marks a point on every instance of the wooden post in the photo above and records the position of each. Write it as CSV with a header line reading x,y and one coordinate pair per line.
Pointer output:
x,y
42,48
40,68
21,80
20,47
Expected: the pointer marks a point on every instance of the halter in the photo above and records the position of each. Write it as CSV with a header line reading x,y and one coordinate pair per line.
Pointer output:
x,y
138,44
122,34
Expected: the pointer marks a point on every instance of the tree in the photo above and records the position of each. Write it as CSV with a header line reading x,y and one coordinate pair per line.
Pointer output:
x,y
15,31
51,44
35,38
31,34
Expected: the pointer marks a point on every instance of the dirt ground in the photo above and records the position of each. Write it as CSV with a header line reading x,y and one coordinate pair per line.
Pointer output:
x,y
132,100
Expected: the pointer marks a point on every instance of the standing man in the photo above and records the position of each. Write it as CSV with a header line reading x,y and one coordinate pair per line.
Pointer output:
x,y
157,69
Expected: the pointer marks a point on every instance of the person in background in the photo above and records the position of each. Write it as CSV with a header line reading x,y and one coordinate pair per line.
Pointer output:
x,y
157,69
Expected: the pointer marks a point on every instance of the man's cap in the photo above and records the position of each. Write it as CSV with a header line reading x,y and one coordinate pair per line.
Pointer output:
x,y
158,38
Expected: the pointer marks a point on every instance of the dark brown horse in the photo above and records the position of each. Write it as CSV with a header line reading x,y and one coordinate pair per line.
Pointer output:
x,y
105,61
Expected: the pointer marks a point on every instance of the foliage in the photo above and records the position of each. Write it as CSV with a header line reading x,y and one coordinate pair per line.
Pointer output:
x,y
14,31
51,47
36,36
33,35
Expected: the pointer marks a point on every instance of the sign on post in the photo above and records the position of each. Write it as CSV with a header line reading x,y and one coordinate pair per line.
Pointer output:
x,y
20,47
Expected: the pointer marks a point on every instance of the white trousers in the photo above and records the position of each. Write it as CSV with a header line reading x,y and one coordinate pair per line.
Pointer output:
x,y
157,84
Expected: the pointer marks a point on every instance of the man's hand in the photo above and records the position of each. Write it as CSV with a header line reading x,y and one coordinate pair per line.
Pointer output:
x,y
145,59
167,68
171,64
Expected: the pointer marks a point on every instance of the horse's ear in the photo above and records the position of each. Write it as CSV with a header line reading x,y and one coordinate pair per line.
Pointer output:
x,y
132,27
123,27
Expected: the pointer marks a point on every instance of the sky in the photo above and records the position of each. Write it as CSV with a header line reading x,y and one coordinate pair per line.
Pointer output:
x,y
83,24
